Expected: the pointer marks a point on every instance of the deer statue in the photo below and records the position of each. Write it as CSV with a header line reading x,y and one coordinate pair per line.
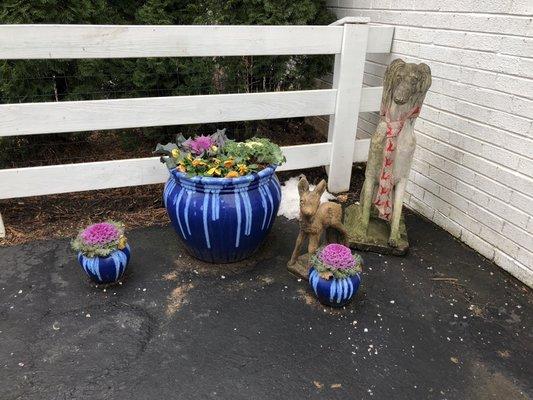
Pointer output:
x,y
315,218
393,144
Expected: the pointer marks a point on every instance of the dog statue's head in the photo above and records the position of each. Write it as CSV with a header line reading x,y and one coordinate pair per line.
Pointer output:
x,y
405,83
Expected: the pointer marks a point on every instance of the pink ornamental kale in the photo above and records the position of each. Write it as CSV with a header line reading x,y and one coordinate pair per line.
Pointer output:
x,y
100,234
337,256
199,144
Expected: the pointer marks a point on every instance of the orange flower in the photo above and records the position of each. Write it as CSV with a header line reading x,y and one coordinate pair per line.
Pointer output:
x,y
181,168
232,174
229,163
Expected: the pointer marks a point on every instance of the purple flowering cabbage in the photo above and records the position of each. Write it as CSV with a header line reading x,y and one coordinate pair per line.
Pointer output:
x,y
336,260
199,144
100,233
337,256
100,239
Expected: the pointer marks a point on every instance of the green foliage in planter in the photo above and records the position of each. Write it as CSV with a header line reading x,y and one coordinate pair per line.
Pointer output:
x,y
261,150
57,80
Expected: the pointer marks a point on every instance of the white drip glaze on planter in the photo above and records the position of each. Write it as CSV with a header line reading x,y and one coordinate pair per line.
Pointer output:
x,y
178,200
205,209
187,204
271,211
264,205
238,211
92,265
119,259
247,212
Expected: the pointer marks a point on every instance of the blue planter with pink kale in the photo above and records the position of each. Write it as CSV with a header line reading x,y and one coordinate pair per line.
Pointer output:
x,y
335,274
103,251
334,292
104,270
222,220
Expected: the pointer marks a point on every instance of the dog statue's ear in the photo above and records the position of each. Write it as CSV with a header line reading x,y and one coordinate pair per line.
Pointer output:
x,y
388,83
425,77
303,185
424,82
321,187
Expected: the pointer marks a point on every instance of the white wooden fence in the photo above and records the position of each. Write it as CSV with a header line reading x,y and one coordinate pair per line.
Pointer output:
x,y
349,39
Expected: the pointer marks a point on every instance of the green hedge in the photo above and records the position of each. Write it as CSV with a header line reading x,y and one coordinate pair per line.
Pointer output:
x,y
56,80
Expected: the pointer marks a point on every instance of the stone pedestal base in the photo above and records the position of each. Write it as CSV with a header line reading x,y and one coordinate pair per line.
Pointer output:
x,y
301,267
377,237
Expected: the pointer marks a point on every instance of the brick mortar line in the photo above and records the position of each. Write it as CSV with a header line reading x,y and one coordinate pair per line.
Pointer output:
x,y
469,102
464,134
480,123
413,10
463,83
462,66
518,174
476,172
465,49
474,203
478,235
435,28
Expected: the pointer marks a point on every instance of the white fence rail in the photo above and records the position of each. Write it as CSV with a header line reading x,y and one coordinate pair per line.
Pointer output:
x,y
349,39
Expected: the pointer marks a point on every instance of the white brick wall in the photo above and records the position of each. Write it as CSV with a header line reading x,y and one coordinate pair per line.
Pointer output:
x,y
473,167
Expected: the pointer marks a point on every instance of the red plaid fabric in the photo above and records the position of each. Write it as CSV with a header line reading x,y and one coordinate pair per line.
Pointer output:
x,y
383,200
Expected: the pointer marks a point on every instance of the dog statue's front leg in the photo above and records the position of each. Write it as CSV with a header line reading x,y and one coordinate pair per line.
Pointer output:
x,y
366,203
399,191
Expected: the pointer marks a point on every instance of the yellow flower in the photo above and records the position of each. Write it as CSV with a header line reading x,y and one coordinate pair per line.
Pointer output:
x,y
243,169
175,153
216,161
214,148
122,242
214,171
198,162
181,168
189,157
232,174
252,144
229,163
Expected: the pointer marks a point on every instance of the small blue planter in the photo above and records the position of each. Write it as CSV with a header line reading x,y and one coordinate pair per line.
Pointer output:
x,y
106,269
222,220
334,292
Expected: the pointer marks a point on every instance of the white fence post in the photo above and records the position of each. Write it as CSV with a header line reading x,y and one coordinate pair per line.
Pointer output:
x,y
348,80
2,228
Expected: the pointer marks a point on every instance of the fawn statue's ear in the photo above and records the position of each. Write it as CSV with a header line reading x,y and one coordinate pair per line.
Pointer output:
x,y
303,185
321,187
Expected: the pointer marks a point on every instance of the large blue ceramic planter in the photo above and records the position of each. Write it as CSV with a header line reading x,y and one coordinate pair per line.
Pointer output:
x,y
334,292
222,220
106,269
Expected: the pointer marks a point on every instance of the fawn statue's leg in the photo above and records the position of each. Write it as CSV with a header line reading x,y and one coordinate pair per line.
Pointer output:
x,y
314,241
399,191
297,247
340,236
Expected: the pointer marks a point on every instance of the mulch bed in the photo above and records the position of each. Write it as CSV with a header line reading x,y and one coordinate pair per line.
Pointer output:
x,y
62,215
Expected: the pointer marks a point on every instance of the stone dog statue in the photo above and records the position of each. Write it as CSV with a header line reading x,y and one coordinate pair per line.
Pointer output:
x,y
315,218
393,144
